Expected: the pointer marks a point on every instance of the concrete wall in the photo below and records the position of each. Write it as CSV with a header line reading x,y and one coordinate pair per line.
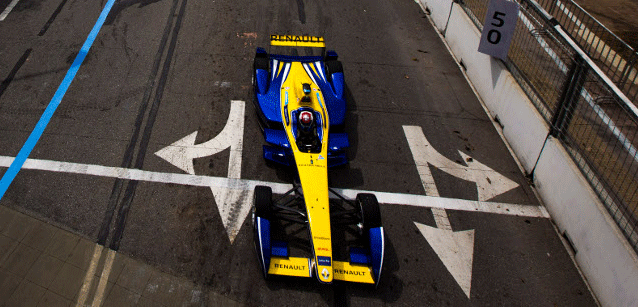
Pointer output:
x,y
523,127
603,254
440,11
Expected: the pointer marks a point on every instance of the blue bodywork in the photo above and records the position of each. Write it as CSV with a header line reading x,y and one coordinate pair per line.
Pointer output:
x,y
267,85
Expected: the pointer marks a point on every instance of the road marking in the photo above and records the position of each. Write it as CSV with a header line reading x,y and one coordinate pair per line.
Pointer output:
x,y
84,293
104,277
441,219
455,249
222,84
278,188
233,204
90,275
489,183
182,153
8,9
35,135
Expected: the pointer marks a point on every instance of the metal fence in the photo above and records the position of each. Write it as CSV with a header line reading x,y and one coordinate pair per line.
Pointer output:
x,y
618,60
593,118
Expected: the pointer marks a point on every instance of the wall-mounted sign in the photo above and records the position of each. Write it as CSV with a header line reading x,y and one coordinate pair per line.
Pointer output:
x,y
498,28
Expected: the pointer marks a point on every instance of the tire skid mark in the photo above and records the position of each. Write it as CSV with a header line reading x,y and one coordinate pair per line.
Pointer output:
x,y
14,71
128,194
52,18
146,135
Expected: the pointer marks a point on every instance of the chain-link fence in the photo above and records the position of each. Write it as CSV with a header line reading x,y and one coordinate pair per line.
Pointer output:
x,y
595,121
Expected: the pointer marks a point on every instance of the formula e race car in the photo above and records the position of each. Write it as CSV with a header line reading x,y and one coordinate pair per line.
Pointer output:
x,y
299,100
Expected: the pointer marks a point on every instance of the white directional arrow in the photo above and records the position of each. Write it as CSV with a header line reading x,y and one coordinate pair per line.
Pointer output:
x,y
455,249
233,204
182,152
489,182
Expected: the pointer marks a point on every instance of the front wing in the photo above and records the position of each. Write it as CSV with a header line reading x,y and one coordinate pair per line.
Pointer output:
x,y
364,265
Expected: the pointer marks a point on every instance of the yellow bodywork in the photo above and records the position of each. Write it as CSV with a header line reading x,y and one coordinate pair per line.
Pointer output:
x,y
312,167
352,272
291,266
300,267
297,41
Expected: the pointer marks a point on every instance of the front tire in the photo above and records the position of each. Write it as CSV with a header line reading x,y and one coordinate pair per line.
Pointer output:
x,y
262,201
370,213
262,212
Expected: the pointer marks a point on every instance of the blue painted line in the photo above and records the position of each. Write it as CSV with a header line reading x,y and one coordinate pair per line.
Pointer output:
x,y
28,146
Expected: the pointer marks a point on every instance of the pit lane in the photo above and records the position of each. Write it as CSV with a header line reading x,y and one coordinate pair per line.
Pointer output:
x,y
160,70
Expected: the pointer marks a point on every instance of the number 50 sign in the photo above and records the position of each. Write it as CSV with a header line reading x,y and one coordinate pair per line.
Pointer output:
x,y
498,28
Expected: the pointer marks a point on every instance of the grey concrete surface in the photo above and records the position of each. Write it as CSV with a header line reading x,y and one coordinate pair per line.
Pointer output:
x,y
45,265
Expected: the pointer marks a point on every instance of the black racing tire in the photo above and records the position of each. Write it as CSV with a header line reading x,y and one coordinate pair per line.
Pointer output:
x,y
334,67
262,201
261,62
370,213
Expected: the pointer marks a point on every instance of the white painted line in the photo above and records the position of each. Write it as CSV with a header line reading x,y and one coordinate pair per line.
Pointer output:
x,y
90,275
278,188
441,219
108,265
8,9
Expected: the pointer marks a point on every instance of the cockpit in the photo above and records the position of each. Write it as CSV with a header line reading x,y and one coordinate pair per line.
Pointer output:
x,y
307,124
306,135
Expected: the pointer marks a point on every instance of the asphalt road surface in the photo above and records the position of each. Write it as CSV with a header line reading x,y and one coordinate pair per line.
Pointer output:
x,y
160,70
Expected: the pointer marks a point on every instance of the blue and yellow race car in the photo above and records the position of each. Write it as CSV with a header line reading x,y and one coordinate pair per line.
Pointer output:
x,y
301,104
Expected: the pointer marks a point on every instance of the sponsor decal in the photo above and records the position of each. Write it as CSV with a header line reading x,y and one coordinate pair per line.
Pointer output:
x,y
320,157
323,249
308,164
290,267
350,272
325,273
324,261
296,39
320,238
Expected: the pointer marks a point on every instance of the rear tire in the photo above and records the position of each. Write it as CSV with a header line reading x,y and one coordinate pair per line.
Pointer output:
x,y
261,62
334,67
370,213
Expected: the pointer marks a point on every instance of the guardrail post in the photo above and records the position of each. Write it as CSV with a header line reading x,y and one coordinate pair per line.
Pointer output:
x,y
568,100
624,76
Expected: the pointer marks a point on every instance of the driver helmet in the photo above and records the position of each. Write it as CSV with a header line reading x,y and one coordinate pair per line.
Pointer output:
x,y
305,120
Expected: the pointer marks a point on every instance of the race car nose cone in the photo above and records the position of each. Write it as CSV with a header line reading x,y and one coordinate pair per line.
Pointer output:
x,y
305,118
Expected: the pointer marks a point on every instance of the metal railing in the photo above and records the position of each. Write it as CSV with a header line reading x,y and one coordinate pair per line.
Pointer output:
x,y
586,110
617,59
